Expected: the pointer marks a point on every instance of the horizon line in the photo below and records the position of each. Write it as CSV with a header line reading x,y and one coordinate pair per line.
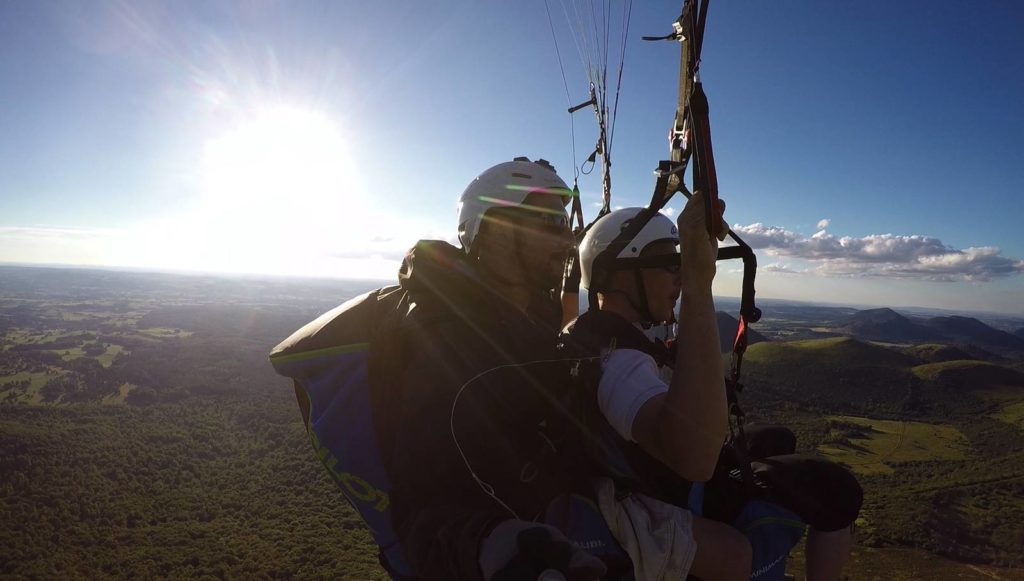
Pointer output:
x,y
325,278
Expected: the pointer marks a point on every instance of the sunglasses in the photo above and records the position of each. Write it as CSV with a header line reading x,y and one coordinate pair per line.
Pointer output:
x,y
673,269
543,219
667,262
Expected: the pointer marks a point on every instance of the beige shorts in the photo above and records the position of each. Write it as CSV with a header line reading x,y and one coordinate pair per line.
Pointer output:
x,y
658,536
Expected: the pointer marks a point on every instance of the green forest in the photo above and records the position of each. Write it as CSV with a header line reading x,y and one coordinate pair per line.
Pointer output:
x,y
220,488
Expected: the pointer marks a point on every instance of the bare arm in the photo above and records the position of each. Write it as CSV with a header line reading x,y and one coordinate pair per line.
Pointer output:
x,y
685,427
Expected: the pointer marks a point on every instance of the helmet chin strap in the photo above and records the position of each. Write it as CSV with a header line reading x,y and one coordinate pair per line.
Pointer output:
x,y
644,307
641,305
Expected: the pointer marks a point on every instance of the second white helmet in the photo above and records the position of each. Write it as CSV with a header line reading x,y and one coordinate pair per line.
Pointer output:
x,y
607,229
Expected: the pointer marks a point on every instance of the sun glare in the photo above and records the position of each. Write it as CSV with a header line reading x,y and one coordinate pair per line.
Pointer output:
x,y
275,188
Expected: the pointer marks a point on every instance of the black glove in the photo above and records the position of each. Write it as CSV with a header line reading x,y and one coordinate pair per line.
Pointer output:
x,y
529,551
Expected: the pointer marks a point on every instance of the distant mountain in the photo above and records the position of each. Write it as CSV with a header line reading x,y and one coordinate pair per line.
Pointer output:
x,y
974,332
887,325
1019,333
972,336
727,325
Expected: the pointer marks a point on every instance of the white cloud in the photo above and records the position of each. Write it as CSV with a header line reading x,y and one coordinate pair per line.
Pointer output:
x,y
882,255
823,223
669,211
779,268
758,235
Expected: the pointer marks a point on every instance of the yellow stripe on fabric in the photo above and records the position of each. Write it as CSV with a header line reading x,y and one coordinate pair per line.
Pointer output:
x,y
319,353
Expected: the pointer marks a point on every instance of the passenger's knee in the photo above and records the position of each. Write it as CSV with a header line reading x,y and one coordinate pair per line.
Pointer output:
x,y
743,556
736,557
722,552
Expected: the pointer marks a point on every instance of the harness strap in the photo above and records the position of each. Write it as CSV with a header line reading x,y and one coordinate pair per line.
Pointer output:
x,y
705,179
576,212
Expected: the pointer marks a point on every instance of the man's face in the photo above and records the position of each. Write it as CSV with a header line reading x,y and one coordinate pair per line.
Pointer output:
x,y
664,283
545,239
538,233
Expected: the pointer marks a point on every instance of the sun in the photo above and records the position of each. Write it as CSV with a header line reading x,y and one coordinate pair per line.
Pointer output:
x,y
279,159
275,187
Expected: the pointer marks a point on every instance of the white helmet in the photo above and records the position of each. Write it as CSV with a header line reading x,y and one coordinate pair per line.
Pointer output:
x,y
506,184
607,229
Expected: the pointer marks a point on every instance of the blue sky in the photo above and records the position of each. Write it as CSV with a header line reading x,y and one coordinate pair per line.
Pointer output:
x,y
871,152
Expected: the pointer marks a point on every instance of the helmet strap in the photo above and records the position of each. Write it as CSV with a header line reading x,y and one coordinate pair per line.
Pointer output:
x,y
524,268
638,300
642,306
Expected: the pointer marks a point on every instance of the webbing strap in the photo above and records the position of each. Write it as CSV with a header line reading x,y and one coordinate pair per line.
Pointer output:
x,y
742,250
576,212
732,389
705,178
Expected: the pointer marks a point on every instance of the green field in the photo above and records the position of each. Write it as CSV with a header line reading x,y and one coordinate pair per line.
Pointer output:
x,y
120,396
29,394
69,354
1012,414
165,332
29,336
898,564
884,442
106,359
934,371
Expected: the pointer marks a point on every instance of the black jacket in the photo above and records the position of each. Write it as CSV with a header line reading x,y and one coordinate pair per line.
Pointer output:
x,y
480,375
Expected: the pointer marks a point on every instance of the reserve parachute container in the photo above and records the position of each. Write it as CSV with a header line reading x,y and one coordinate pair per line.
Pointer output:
x,y
330,362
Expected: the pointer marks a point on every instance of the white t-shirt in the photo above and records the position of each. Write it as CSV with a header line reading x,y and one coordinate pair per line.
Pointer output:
x,y
629,378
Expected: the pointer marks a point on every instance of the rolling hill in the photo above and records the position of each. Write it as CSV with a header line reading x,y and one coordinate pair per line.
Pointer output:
x,y
838,373
836,352
843,374
969,375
